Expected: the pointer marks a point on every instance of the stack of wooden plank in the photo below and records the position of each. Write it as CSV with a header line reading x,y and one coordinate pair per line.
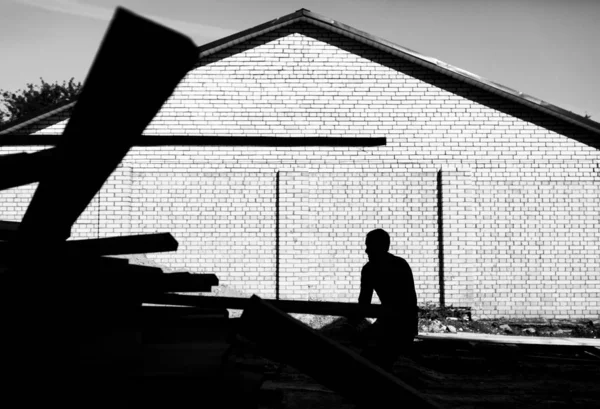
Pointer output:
x,y
75,332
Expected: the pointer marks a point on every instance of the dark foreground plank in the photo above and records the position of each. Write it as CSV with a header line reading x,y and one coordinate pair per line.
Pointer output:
x,y
289,306
199,140
143,243
283,338
144,61
155,285
8,230
186,282
23,168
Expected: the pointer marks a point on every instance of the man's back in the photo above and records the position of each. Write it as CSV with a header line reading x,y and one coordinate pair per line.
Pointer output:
x,y
392,279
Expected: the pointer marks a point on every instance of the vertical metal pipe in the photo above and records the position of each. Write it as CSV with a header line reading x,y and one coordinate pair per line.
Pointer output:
x,y
440,221
277,236
99,210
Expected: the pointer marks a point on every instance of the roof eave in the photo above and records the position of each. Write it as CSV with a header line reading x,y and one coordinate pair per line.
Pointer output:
x,y
30,120
384,45
215,46
405,53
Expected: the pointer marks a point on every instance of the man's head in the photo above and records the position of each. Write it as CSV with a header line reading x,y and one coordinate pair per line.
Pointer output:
x,y
378,243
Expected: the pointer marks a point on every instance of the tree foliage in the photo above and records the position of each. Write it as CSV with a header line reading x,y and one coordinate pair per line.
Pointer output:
x,y
35,98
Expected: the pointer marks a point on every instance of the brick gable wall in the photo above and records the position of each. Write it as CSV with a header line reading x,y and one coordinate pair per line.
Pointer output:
x,y
518,228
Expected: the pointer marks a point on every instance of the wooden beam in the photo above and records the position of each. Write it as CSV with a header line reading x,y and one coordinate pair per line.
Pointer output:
x,y
199,140
23,168
8,230
155,285
60,261
285,339
144,62
143,243
138,244
154,311
290,306
187,283
117,272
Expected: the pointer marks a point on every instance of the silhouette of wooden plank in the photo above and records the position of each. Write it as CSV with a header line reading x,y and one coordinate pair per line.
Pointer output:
x,y
23,168
285,339
290,306
100,262
191,140
150,313
186,282
74,262
142,62
146,280
143,243
154,284
199,140
8,230
118,271
150,280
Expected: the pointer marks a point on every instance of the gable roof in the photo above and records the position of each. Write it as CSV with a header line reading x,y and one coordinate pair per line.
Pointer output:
x,y
307,16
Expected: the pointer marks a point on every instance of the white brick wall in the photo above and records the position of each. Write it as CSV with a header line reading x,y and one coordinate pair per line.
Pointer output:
x,y
224,222
520,188
326,216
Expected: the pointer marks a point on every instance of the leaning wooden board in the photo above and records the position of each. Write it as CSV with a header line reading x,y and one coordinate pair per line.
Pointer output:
x,y
288,340
345,309
135,52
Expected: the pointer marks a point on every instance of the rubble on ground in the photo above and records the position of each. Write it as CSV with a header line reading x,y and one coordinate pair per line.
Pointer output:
x,y
438,320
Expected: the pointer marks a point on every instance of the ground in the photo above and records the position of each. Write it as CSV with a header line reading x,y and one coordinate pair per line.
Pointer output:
x,y
438,320
464,374
454,373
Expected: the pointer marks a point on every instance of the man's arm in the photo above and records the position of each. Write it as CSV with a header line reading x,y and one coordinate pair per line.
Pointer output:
x,y
366,288
365,296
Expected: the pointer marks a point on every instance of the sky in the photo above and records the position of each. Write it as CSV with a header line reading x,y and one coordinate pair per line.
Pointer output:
x,y
549,49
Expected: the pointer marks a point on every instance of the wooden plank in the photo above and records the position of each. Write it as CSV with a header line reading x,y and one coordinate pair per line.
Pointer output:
x,y
593,351
162,312
150,279
135,53
285,339
156,284
143,243
186,282
60,262
8,230
199,140
23,168
290,306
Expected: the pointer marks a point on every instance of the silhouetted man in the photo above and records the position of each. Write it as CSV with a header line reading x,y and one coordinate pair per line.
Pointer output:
x,y
391,277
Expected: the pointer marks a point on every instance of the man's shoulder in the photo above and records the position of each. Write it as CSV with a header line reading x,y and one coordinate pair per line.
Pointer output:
x,y
398,260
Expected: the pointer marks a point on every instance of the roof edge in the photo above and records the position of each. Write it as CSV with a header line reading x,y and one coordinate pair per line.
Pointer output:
x,y
36,116
408,54
228,41
377,42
